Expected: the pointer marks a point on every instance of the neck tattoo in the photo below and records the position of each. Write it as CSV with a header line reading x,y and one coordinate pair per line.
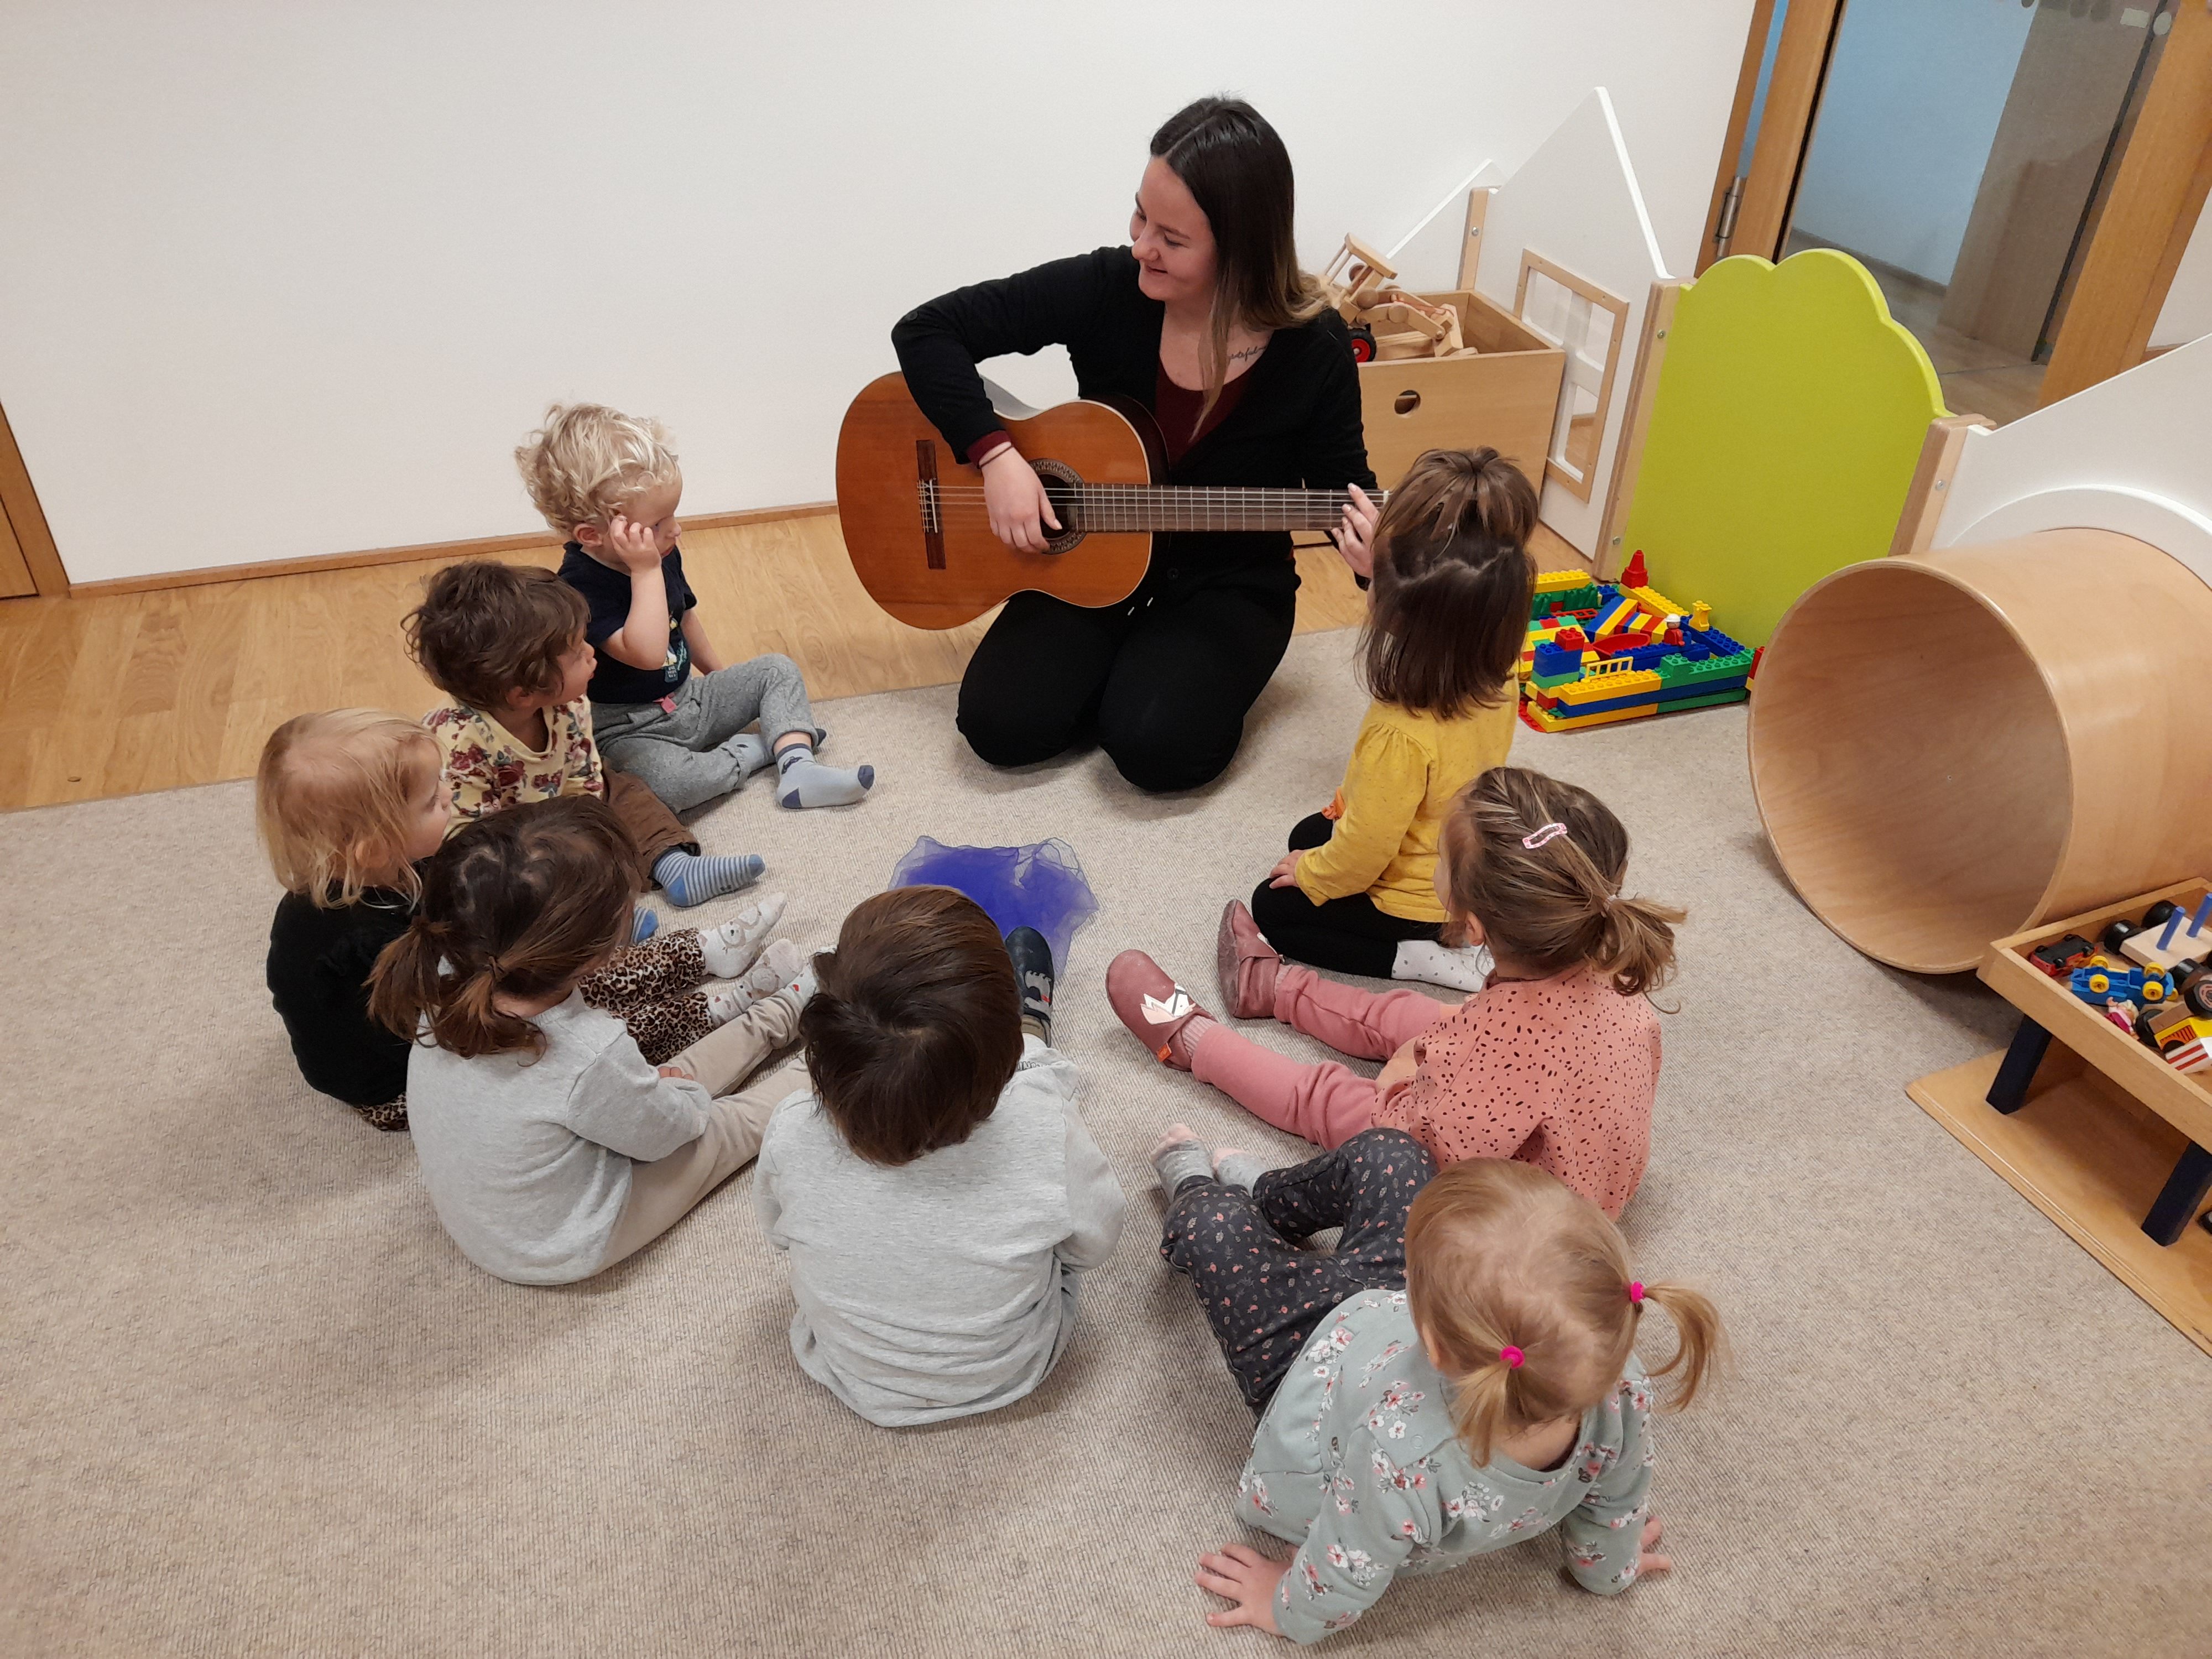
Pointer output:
x,y
1249,351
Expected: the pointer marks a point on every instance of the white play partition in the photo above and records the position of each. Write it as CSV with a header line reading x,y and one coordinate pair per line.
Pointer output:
x,y
1430,255
2128,454
1575,203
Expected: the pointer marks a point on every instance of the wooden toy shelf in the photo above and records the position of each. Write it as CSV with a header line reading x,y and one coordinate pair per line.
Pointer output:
x,y
2100,1133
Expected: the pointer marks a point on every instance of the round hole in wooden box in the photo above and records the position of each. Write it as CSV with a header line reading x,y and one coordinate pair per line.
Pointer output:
x,y
1406,402
1955,747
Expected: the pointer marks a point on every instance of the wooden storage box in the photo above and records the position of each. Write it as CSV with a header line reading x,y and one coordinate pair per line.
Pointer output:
x,y
1504,394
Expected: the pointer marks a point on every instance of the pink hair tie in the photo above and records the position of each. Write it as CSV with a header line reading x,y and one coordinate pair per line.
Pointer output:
x,y
1550,832
1634,1291
1512,1356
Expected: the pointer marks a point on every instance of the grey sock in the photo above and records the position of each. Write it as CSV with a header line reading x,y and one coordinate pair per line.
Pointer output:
x,y
1180,1160
803,781
1240,1169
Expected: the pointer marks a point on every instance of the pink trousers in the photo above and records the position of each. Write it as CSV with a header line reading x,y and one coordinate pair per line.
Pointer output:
x,y
1327,1104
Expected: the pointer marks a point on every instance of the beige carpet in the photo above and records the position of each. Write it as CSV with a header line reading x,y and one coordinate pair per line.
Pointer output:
x,y
256,1404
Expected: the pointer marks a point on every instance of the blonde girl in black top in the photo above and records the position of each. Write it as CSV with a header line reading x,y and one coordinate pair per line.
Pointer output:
x,y
1206,320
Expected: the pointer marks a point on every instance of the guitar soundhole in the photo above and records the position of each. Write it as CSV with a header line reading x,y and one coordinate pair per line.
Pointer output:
x,y
1061,480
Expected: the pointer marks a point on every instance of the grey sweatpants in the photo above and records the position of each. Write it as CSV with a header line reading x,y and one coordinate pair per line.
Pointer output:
x,y
677,755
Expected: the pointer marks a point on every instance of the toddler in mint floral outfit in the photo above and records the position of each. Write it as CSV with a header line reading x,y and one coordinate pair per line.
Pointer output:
x,y
1481,1388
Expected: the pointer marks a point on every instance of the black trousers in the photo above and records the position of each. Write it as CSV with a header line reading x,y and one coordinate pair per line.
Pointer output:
x,y
1162,680
1346,935
1264,1296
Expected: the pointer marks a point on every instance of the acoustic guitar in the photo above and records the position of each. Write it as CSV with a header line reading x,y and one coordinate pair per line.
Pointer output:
x,y
920,540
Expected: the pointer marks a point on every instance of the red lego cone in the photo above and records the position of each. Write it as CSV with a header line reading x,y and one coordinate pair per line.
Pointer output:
x,y
1636,575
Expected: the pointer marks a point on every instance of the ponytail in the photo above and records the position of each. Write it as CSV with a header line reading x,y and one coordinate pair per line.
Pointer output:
x,y
1519,1289
1540,863
1701,1343
1454,583
524,903
1635,943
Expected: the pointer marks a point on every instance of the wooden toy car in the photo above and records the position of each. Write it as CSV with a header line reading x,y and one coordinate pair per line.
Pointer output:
x,y
2063,956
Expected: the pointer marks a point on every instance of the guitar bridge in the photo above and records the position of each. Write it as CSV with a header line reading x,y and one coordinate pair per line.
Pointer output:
x,y
932,506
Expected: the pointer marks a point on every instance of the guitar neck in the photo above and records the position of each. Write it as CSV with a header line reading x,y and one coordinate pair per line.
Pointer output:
x,y
1111,507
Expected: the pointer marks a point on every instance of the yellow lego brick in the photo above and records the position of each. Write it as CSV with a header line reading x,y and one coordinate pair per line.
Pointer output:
x,y
1597,684
1655,602
1563,581
1546,720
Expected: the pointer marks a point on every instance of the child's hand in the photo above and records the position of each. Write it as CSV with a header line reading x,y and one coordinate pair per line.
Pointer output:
x,y
632,544
1355,532
1648,1559
1243,1575
1399,1069
1285,872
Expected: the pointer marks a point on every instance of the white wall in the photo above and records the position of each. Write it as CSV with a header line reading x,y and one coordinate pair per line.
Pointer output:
x,y
2187,314
284,279
1914,93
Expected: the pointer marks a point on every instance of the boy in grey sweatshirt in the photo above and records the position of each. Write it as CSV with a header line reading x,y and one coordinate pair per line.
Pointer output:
x,y
937,1191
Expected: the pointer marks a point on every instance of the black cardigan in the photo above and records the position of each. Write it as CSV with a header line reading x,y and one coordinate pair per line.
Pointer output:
x,y
318,975
1296,424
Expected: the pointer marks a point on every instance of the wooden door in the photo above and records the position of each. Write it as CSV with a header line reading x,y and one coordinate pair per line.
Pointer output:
x,y
2078,286
29,562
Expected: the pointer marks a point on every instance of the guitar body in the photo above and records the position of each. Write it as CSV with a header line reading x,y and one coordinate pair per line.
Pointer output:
x,y
913,511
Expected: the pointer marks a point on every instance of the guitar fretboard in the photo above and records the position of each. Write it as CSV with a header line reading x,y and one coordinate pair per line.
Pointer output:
x,y
1107,509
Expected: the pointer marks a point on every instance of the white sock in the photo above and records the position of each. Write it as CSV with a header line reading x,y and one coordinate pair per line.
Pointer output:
x,y
1463,968
780,964
730,949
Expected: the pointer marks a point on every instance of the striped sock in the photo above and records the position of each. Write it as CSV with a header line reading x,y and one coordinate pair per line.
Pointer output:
x,y
643,925
693,878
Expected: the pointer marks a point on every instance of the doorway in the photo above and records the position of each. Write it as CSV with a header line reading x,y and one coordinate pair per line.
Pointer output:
x,y
1962,150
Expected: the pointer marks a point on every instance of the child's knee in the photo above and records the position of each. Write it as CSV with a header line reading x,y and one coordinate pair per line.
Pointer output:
x,y
1396,1148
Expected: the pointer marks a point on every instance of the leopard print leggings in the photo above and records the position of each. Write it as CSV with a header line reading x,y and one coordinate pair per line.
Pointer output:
x,y
654,987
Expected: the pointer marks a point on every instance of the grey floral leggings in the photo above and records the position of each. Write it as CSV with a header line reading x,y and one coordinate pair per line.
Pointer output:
x,y
653,987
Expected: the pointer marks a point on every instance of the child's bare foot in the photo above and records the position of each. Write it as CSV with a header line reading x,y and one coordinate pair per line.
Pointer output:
x,y
1178,1155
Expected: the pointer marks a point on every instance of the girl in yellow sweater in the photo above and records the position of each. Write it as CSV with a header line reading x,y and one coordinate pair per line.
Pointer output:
x,y
1453,583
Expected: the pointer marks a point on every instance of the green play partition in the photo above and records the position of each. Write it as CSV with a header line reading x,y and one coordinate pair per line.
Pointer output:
x,y
1787,425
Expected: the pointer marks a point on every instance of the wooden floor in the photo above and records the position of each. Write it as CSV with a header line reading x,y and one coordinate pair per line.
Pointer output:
x,y
117,694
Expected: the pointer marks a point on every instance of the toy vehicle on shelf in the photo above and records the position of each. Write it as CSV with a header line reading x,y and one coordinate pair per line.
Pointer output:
x,y
2099,980
2061,956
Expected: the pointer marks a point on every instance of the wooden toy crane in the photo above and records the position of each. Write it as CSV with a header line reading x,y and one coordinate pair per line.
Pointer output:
x,y
1357,283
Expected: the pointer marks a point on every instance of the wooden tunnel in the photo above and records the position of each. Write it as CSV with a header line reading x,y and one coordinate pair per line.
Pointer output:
x,y
1958,745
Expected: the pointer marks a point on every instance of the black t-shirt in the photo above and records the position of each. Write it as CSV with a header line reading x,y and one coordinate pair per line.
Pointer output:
x,y
318,963
1295,422
608,591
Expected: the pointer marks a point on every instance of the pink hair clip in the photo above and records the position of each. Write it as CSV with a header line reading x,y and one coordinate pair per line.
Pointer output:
x,y
1634,1291
1550,832
1512,1356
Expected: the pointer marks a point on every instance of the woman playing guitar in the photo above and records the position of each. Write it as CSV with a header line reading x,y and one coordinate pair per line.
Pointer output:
x,y
1207,322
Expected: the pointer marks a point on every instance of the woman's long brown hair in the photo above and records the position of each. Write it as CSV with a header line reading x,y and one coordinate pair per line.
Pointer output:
x,y
524,903
1236,170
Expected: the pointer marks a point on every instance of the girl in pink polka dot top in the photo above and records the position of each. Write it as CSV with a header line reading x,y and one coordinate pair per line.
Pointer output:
x,y
1554,1061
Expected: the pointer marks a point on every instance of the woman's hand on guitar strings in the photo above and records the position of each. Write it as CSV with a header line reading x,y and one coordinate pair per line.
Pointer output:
x,y
1355,533
1014,497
